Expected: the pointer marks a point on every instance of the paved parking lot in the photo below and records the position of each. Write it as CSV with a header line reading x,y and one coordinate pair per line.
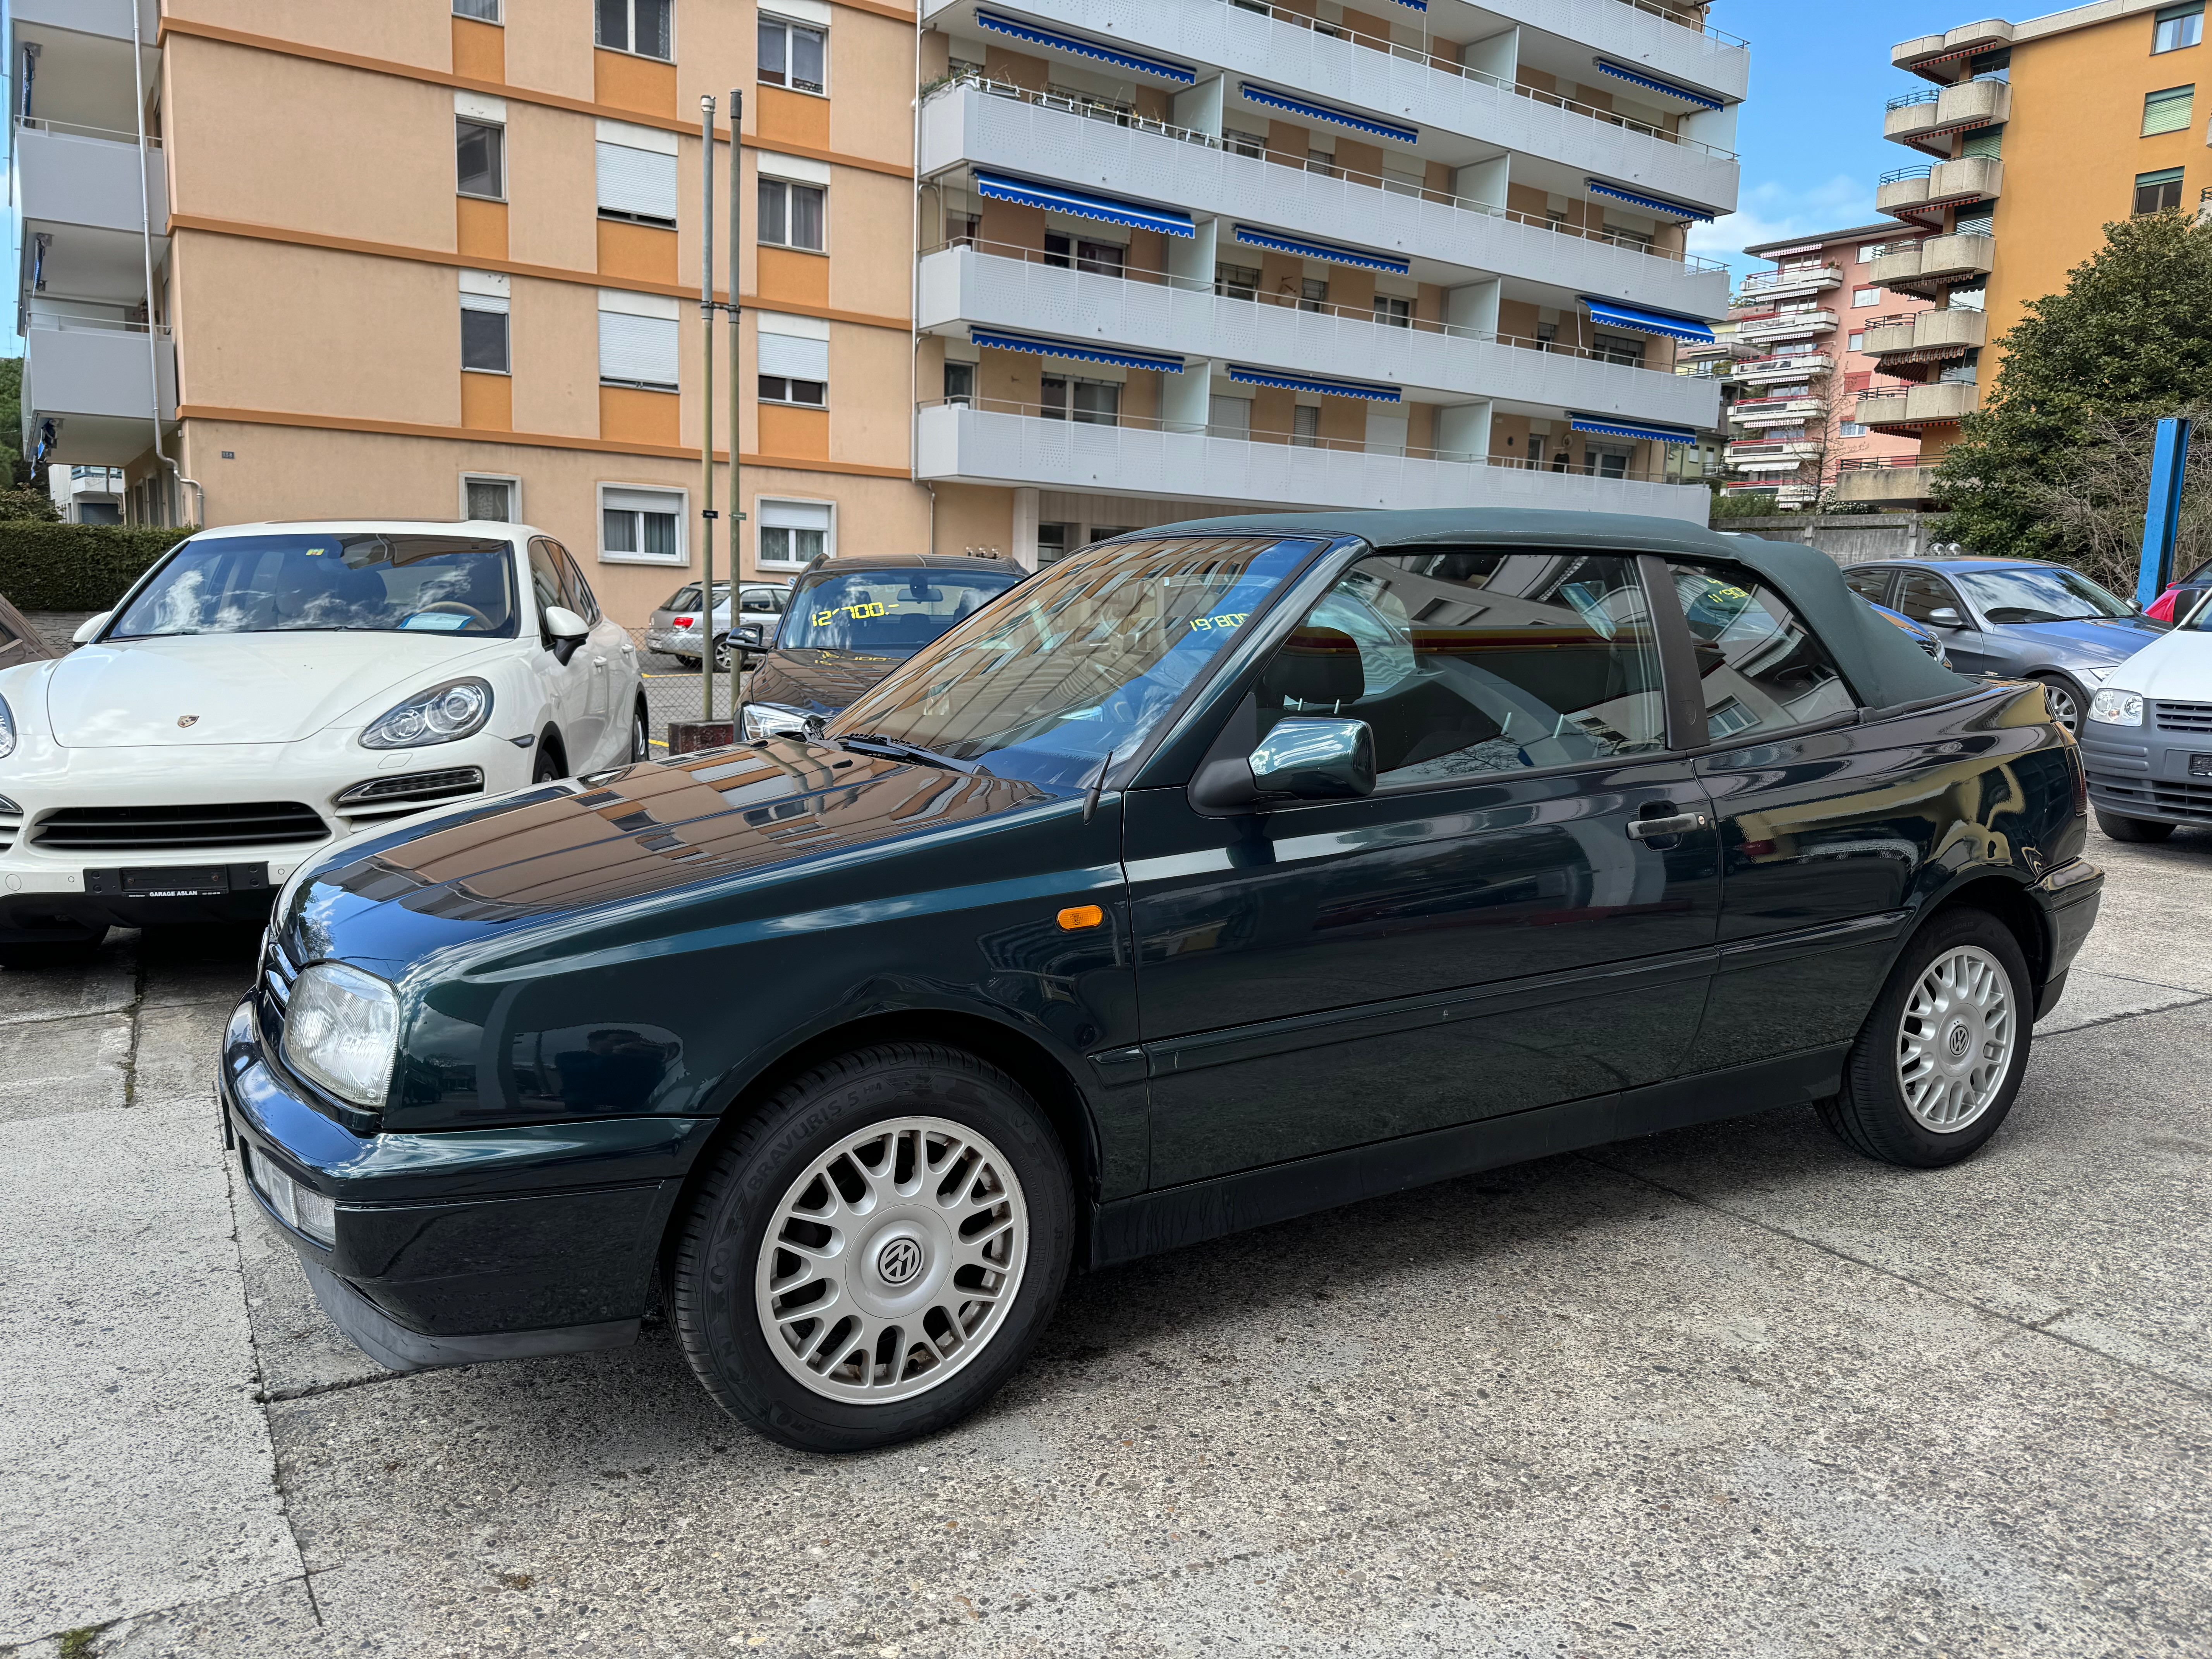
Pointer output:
x,y
1728,1391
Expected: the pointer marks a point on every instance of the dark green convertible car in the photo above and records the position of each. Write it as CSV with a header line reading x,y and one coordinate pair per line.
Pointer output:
x,y
1220,875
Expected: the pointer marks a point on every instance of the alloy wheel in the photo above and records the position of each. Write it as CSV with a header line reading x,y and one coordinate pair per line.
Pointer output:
x,y
2065,707
1954,1044
889,1263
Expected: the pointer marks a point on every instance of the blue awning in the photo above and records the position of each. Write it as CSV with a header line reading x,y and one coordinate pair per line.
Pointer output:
x,y
1649,204
1041,345
1379,394
1417,5
1648,322
1622,72
1314,112
1305,249
1000,187
1606,426
1181,73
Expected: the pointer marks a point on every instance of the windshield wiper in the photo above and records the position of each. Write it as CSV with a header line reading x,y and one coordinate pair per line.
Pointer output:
x,y
899,749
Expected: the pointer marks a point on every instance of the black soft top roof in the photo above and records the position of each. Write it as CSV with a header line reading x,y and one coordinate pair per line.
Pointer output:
x,y
1882,664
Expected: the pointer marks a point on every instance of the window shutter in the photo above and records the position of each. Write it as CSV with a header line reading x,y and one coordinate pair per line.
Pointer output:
x,y
637,181
793,358
637,348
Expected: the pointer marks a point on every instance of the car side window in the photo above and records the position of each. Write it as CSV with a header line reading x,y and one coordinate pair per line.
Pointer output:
x,y
1919,595
1760,668
1470,664
1867,584
545,577
580,600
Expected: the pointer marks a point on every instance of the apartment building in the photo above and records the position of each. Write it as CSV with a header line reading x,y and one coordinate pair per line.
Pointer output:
x,y
1799,364
439,258
2040,134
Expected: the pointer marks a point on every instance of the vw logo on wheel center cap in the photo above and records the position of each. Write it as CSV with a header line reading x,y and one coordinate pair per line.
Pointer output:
x,y
898,1261
1956,1042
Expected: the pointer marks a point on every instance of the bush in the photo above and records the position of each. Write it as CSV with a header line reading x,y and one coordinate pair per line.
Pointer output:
x,y
76,566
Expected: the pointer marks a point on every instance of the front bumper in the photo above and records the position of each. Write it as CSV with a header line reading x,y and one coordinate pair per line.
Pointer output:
x,y
474,1245
2141,772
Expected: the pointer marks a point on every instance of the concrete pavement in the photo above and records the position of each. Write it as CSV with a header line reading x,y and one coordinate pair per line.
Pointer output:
x,y
1728,1390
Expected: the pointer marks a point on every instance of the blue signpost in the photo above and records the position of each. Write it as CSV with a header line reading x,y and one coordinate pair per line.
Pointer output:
x,y
2162,517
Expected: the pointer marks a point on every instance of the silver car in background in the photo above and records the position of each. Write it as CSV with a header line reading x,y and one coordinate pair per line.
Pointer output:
x,y
674,630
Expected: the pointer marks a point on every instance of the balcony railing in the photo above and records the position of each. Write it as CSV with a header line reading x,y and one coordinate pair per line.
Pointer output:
x,y
1879,463
1590,468
1116,116
78,130
1707,29
1791,277
1024,254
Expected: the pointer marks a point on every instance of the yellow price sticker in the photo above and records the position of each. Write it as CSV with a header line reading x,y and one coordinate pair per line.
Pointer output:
x,y
1224,623
857,612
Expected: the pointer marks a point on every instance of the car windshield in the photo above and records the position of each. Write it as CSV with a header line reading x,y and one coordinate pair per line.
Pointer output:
x,y
887,613
322,582
2039,593
1083,662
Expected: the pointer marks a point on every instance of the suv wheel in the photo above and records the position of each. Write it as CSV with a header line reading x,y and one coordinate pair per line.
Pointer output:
x,y
875,1252
1939,1061
2120,829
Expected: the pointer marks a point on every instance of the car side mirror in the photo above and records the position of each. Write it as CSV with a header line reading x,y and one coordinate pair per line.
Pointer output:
x,y
89,627
564,631
750,634
1944,616
1315,760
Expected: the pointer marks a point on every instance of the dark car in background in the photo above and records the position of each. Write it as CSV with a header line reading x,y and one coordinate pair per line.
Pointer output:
x,y
1219,875
2014,619
850,620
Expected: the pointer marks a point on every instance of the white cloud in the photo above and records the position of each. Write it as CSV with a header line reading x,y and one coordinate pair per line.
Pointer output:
x,y
1769,212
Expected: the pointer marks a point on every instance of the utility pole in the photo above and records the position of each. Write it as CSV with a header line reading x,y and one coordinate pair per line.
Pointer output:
x,y
737,395
2162,516
707,415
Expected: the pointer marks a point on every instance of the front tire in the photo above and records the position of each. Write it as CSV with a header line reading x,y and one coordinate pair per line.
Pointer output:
x,y
2065,702
874,1253
2134,829
641,733
1938,1064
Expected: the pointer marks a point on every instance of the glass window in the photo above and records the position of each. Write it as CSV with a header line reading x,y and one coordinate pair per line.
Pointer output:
x,y
1237,282
2178,27
318,581
1313,293
490,499
1254,144
1984,141
1869,254
2167,111
1858,342
1760,667
959,382
1919,596
1103,258
1083,660
793,55
638,26
483,333
1626,349
479,154
1228,417
641,525
2039,593
576,593
1468,663
1867,584
791,216
792,533
1070,397
544,576
1392,312
886,613
1305,426
2158,192
1055,541
485,11
1863,297
782,389
1850,429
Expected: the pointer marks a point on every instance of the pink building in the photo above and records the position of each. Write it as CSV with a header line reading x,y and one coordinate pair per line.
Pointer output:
x,y
1798,366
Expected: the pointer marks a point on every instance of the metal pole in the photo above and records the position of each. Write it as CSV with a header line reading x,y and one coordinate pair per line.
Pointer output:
x,y
2162,516
737,392
706,410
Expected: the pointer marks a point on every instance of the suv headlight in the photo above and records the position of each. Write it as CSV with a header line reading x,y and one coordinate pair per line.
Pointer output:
x,y
2111,706
6,730
768,719
444,713
342,1030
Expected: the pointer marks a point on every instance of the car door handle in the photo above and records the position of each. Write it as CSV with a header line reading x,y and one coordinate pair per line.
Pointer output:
x,y
1681,824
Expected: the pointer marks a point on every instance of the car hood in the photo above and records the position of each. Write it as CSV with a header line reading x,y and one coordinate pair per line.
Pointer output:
x,y
746,836
2095,640
239,688
816,681
2178,668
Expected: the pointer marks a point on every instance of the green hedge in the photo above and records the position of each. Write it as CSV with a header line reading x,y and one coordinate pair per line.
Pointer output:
x,y
76,566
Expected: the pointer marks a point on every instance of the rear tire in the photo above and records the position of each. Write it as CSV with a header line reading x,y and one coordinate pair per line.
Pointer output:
x,y
1939,1061
2134,829
928,1302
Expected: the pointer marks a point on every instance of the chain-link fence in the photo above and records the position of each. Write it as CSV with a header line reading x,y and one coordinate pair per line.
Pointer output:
x,y
672,689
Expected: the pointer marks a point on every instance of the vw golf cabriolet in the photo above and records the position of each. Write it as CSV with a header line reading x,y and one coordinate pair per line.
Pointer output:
x,y
1219,875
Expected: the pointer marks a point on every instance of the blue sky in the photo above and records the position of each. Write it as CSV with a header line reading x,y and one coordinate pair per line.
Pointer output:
x,y
1810,134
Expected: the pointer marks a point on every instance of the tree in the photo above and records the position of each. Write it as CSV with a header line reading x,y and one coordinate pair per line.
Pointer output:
x,y
11,421
2039,472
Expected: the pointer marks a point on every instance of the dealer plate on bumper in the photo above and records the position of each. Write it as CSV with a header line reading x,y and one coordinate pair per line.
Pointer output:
x,y
2200,766
177,880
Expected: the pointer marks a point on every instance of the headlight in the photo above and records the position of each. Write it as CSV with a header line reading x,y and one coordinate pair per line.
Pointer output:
x,y
767,720
2116,707
6,730
341,1030
444,713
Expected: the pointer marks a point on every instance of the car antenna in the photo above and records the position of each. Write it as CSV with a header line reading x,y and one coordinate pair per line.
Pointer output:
x,y
1097,782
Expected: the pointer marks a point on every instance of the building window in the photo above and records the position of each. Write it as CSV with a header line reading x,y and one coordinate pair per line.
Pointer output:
x,y
1984,141
484,330
490,500
1054,540
2158,192
2178,27
636,169
1313,293
1237,282
790,214
641,527
1228,417
1102,259
637,340
959,382
636,26
1254,144
783,389
1858,342
485,11
1862,297
2167,111
1869,254
1626,349
792,55
480,159
1850,429
1392,312
1089,403
792,533
1305,426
